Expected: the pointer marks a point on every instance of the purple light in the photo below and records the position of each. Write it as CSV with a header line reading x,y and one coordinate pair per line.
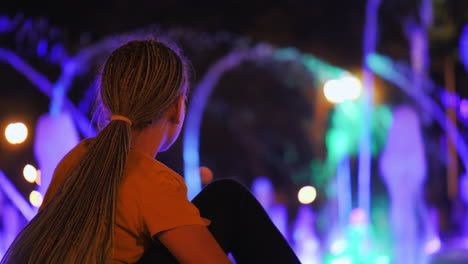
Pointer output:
x,y
56,135
450,100
464,108
403,168
358,217
263,190
16,197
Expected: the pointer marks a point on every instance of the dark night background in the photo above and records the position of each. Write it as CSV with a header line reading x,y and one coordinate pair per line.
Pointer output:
x,y
331,30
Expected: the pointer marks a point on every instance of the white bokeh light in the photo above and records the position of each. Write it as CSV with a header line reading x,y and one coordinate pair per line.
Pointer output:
x,y
338,246
16,133
346,88
30,173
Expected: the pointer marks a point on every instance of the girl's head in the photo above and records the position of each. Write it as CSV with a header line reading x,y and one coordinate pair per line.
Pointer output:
x,y
141,80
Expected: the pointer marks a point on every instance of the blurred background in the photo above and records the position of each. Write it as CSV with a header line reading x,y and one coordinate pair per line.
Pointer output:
x,y
347,119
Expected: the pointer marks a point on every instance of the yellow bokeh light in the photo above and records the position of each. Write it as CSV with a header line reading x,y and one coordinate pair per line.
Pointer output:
x,y
30,173
16,133
35,198
307,194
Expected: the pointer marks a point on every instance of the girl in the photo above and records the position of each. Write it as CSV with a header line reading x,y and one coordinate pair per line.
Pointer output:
x,y
111,201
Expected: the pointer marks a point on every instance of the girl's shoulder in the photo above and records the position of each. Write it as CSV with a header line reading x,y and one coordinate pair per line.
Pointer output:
x,y
147,172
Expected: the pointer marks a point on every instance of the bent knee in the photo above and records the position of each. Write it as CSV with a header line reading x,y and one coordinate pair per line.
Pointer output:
x,y
227,183
227,186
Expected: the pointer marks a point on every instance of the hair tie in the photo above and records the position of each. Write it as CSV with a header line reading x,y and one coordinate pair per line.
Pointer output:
x,y
122,118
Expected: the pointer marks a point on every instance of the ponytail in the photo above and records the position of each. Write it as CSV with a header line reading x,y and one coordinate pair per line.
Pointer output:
x,y
77,225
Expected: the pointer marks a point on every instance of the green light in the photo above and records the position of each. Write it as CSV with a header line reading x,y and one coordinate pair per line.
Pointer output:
x,y
381,120
381,65
382,260
341,261
321,70
339,144
346,128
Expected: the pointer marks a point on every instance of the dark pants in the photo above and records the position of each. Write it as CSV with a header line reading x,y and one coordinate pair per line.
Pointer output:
x,y
240,225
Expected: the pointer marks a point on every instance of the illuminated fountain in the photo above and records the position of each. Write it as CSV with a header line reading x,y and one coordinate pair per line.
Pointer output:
x,y
403,168
352,134
263,189
305,240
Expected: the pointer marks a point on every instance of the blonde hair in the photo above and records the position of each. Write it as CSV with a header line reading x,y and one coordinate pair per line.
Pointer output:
x,y
140,80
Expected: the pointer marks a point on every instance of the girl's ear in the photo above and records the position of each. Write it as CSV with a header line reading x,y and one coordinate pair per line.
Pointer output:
x,y
177,111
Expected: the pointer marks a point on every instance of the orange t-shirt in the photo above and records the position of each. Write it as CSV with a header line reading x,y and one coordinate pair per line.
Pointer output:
x,y
152,198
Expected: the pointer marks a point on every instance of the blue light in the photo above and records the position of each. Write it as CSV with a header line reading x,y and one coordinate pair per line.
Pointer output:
x,y
192,163
464,46
42,47
5,24
57,52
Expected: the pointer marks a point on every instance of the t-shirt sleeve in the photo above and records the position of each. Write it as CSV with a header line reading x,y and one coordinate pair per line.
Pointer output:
x,y
165,205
